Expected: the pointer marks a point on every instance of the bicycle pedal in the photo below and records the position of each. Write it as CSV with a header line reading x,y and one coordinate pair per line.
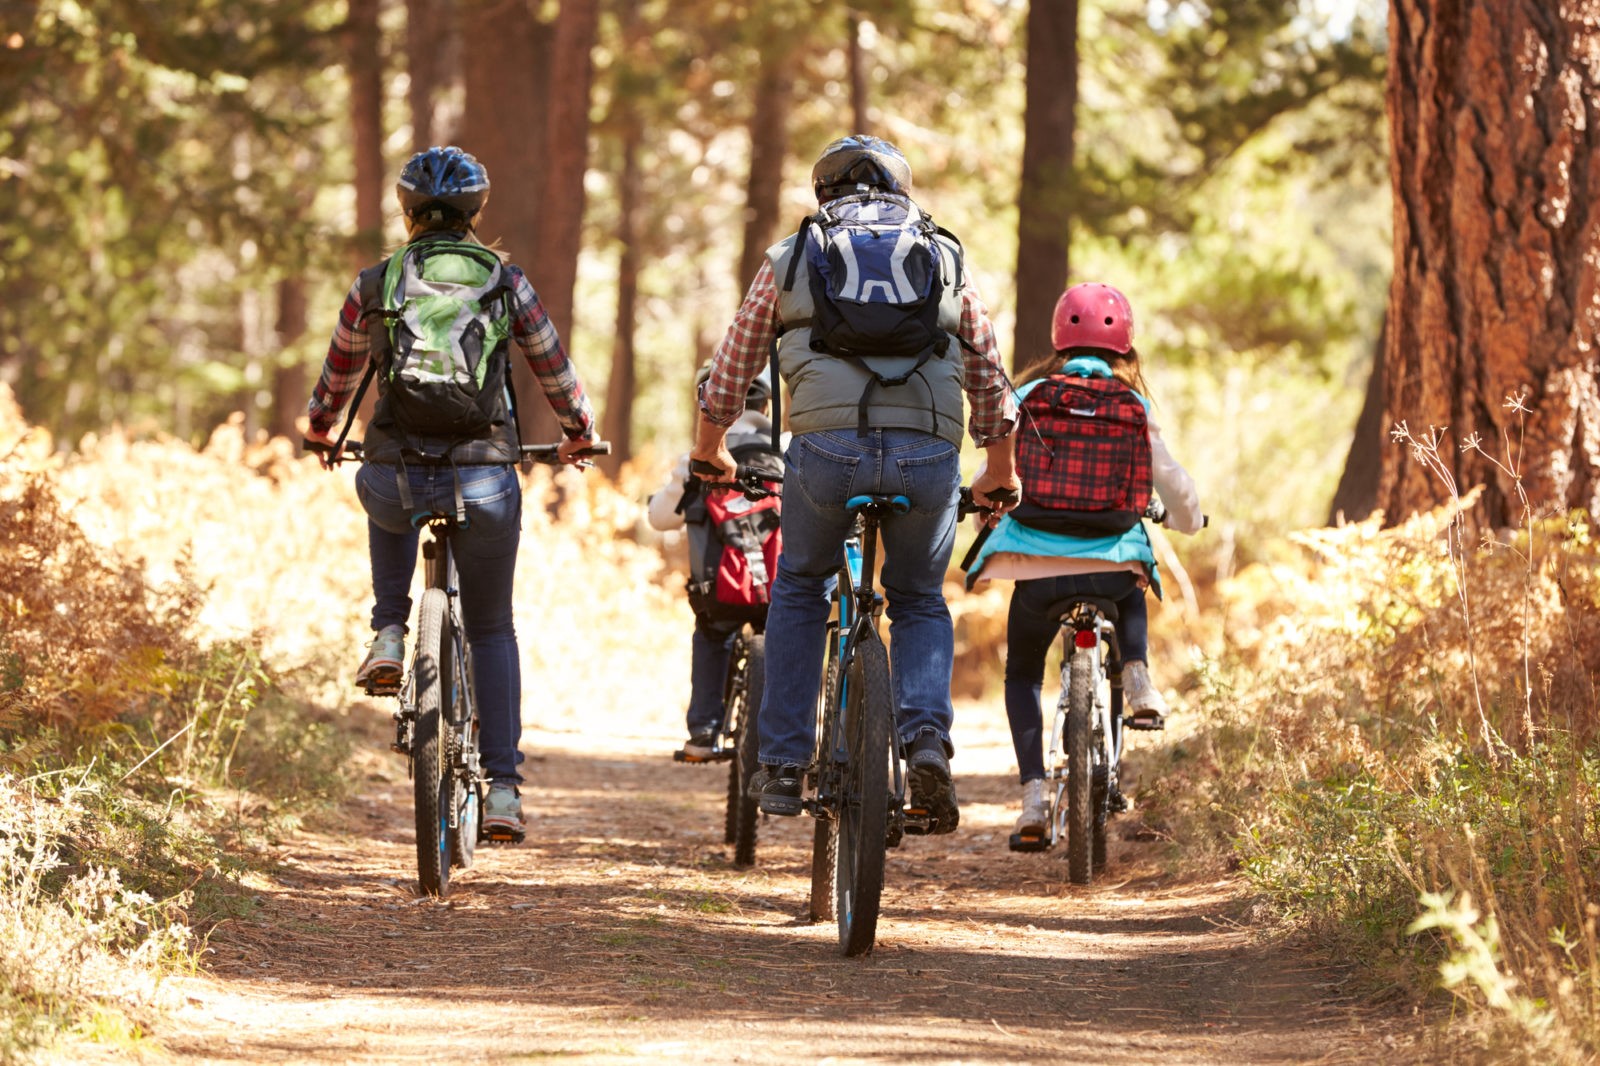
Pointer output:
x,y
400,749
1145,725
391,689
918,822
1027,842
502,835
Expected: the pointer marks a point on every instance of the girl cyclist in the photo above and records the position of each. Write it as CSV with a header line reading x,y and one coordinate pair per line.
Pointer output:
x,y
1092,334
465,468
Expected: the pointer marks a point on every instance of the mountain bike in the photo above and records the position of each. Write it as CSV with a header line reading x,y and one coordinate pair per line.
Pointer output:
x,y
736,740
436,723
857,782
1084,757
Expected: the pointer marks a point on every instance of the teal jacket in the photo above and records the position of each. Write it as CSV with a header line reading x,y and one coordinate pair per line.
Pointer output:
x,y
1172,482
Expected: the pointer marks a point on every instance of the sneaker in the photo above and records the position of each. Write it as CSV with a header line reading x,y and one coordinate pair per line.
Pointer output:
x,y
502,814
777,789
1142,699
932,790
1035,817
701,745
384,664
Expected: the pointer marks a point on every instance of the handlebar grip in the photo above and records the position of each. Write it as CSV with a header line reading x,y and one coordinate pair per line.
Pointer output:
x,y
701,466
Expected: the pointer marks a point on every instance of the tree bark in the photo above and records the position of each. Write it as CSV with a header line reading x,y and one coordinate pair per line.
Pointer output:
x,y
1496,289
618,425
290,386
1357,494
1044,211
506,73
423,30
858,77
365,68
566,157
769,145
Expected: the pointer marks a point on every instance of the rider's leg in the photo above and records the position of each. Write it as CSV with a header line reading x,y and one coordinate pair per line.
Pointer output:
x,y
486,556
708,672
1029,632
392,545
1142,698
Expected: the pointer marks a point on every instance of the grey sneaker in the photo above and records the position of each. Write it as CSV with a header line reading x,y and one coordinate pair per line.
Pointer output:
x,y
381,670
502,815
1147,708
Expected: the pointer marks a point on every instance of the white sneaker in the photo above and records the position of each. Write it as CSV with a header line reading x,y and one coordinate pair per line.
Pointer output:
x,y
385,661
502,814
1035,817
1139,695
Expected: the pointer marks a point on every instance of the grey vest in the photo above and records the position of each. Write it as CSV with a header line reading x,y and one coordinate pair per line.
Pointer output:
x,y
825,391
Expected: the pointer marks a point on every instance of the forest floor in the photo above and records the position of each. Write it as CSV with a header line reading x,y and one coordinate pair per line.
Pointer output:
x,y
621,932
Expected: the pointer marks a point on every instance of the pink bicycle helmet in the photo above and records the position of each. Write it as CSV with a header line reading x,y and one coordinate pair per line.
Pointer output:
x,y
1092,315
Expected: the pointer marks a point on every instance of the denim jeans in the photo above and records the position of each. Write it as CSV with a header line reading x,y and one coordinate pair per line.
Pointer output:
x,y
709,650
486,558
822,471
1029,632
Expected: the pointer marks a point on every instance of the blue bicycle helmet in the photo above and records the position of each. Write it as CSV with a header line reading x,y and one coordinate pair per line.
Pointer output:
x,y
859,162
440,182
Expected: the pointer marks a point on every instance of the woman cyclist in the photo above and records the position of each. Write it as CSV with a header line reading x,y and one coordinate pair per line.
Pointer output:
x,y
464,469
1092,334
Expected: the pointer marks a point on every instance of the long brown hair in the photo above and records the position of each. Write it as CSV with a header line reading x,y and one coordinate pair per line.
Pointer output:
x,y
1124,366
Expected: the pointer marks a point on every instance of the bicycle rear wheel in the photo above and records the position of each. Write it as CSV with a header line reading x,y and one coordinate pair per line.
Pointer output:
x,y
745,710
864,799
825,833
431,785
1079,810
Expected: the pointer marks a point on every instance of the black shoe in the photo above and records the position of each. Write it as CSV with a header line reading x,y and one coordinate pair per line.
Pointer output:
x,y
700,747
777,789
932,790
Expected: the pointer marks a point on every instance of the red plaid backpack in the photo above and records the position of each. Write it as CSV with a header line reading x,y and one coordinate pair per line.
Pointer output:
x,y
1083,456
735,542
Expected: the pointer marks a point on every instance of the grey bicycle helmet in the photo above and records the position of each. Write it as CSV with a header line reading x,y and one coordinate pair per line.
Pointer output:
x,y
858,162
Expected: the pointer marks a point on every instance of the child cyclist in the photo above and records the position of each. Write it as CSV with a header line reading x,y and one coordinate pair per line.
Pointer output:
x,y
1092,334
416,460
680,504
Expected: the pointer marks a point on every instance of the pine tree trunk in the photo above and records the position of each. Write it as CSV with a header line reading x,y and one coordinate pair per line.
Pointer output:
x,y
1044,210
505,67
423,30
289,380
769,145
365,67
1357,494
565,158
858,77
1496,290
618,426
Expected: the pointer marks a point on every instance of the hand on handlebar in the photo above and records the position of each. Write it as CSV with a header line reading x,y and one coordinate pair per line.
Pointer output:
x,y
575,451
322,445
714,466
994,495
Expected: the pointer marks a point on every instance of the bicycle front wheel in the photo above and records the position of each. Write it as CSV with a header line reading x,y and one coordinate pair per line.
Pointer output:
x,y
864,798
432,786
744,711
1079,808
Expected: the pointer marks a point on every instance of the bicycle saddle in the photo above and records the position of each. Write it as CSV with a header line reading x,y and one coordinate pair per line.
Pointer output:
x,y
1060,609
877,504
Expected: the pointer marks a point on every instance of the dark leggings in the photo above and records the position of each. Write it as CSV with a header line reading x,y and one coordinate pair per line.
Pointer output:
x,y
1029,631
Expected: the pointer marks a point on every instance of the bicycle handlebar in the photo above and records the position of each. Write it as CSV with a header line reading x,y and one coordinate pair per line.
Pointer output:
x,y
537,453
1156,511
751,485
967,505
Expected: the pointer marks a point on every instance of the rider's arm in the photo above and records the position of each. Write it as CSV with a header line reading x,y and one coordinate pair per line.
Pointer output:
x,y
536,335
741,355
1173,483
663,511
994,410
342,369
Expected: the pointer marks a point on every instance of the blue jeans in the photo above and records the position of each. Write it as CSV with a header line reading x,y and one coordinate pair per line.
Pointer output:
x,y
709,650
1029,632
486,558
822,471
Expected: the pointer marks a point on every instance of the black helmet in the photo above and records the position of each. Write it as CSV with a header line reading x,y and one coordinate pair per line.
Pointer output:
x,y
857,161
440,182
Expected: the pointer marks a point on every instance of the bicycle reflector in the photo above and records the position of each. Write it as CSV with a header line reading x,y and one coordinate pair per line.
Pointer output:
x,y
1085,638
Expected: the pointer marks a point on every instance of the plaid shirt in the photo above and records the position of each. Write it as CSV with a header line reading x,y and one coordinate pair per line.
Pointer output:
x,y
746,348
530,327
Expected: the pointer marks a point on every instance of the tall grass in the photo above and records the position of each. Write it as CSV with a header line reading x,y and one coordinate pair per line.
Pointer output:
x,y
1399,742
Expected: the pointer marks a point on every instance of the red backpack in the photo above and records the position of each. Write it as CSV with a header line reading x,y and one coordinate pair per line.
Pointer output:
x,y
1083,456
732,576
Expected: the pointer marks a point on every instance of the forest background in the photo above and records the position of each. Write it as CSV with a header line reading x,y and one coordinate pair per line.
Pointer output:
x,y
1335,219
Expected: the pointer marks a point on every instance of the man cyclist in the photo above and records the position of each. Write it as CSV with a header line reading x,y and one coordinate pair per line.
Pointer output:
x,y
901,437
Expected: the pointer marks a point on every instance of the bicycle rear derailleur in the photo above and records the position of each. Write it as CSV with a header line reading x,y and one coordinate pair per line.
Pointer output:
x,y
405,720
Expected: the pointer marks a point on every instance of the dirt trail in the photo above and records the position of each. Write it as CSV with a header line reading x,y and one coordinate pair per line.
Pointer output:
x,y
621,932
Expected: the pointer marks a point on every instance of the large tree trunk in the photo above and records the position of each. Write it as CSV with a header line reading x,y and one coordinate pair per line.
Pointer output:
x,y
618,426
769,144
1357,494
366,120
504,50
1044,211
566,157
289,380
1496,289
858,77
424,27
